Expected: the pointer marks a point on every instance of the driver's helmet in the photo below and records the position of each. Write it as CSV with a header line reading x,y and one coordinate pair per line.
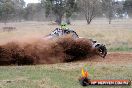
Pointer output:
x,y
63,26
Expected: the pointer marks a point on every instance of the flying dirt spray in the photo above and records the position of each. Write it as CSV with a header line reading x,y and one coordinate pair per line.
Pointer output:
x,y
41,51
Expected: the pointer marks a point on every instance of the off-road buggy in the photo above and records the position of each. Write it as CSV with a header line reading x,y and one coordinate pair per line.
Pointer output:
x,y
63,32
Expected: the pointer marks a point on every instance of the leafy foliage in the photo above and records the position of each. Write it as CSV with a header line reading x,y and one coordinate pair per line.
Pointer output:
x,y
10,8
128,7
108,8
60,8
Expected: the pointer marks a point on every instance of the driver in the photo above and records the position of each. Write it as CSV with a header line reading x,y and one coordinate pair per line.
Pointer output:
x,y
63,26
63,30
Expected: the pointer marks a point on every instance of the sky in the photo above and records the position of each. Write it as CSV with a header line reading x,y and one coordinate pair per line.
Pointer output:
x,y
31,1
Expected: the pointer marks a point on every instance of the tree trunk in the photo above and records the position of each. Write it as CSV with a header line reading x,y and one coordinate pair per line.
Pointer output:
x,y
58,19
109,21
68,20
88,20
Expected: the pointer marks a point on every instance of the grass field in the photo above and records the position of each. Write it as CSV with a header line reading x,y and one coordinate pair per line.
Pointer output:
x,y
59,75
117,37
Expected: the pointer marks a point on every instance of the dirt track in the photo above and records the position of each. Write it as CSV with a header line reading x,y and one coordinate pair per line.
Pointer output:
x,y
119,58
114,58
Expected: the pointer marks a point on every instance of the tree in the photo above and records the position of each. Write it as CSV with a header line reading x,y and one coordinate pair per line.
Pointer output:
x,y
108,7
128,7
119,9
11,9
59,8
32,11
6,10
90,8
71,6
19,6
0,9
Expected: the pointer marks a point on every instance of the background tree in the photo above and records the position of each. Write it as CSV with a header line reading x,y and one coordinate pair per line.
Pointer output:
x,y
59,8
30,11
90,8
108,7
128,7
71,7
33,12
0,10
119,11
19,6
7,9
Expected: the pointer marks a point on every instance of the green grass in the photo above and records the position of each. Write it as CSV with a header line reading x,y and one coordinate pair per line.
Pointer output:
x,y
59,75
120,48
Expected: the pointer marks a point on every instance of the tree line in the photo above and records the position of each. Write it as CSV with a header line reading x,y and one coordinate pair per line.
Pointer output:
x,y
64,10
